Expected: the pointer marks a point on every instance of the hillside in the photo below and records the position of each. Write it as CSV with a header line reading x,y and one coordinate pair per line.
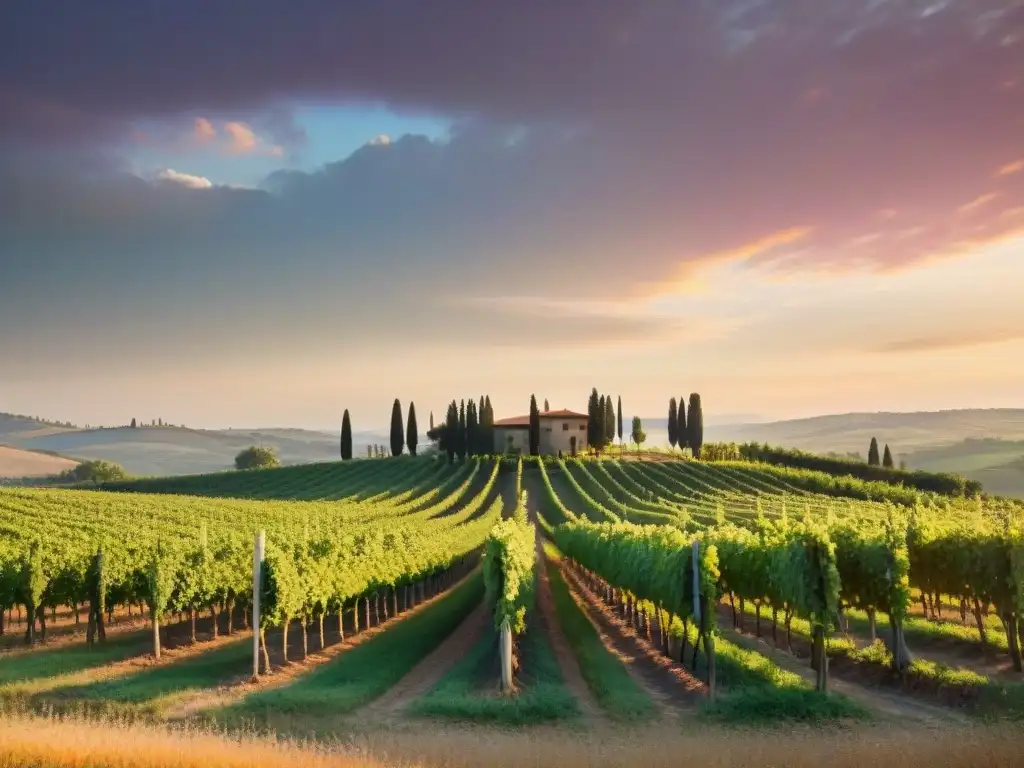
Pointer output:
x,y
15,462
173,450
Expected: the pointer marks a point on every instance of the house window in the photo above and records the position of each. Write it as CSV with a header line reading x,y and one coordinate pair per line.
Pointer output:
x,y
565,426
582,427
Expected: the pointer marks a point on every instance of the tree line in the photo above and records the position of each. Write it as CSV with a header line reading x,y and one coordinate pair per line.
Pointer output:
x,y
467,429
686,424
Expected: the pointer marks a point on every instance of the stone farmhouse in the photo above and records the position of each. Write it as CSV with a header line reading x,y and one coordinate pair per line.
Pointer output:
x,y
560,431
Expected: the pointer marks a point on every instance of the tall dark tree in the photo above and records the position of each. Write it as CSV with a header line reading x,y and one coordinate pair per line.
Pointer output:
x,y
472,429
431,421
449,437
546,406
887,458
488,424
873,459
599,429
609,421
134,425
673,422
397,429
593,402
618,420
460,437
682,430
346,437
695,425
412,434
534,427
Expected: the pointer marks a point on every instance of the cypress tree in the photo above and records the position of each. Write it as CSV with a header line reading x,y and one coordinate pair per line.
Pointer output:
x,y
592,404
451,429
619,420
397,429
412,436
887,458
609,421
472,431
599,428
460,432
346,437
682,431
695,425
673,422
534,427
873,453
488,422
546,406
134,426
431,421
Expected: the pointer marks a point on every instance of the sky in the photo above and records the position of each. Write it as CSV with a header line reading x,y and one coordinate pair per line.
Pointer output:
x,y
251,213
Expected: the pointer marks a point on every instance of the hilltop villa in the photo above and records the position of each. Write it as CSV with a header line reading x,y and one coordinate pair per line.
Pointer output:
x,y
562,430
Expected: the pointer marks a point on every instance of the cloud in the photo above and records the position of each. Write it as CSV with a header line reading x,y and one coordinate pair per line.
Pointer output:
x,y
183,179
977,202
203,131
1011,168
381,140
950,341
242,140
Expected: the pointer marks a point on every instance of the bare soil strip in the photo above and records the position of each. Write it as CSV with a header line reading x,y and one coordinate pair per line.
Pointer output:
x,y
563,653
885,702
428,672
671,686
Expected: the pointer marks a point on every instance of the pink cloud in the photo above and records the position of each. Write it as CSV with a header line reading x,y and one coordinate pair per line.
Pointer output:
x,y
203,131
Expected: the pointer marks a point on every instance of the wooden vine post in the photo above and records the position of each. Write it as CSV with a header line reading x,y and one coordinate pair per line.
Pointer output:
x,y
506,657
257,575
702,618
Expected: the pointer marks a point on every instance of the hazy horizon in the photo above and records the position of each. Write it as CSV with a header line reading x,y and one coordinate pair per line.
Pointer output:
x,y
221,219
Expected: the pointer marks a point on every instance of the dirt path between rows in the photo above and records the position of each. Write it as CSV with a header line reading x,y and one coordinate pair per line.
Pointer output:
x,y
567,661
879,701
674,690
430,670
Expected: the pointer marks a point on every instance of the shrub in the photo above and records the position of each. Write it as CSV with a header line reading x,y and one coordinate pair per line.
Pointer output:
x,y
255,457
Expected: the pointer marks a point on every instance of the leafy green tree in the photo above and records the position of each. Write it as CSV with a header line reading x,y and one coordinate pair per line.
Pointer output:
x,y
887,458
873,460
682,430
599,429
449,436
94,472
412,436
673,422
618,419
637,434
695,425
609,421
346,437
256,457
534,427
397,429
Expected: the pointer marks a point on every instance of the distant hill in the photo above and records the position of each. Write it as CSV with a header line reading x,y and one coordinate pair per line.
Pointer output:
x,y
175,450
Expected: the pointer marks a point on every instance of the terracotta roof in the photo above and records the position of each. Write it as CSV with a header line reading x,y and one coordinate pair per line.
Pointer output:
x,y
524,421
515,421
562,414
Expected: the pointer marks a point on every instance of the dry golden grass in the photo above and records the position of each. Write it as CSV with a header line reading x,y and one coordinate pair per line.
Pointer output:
x,y
69,743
